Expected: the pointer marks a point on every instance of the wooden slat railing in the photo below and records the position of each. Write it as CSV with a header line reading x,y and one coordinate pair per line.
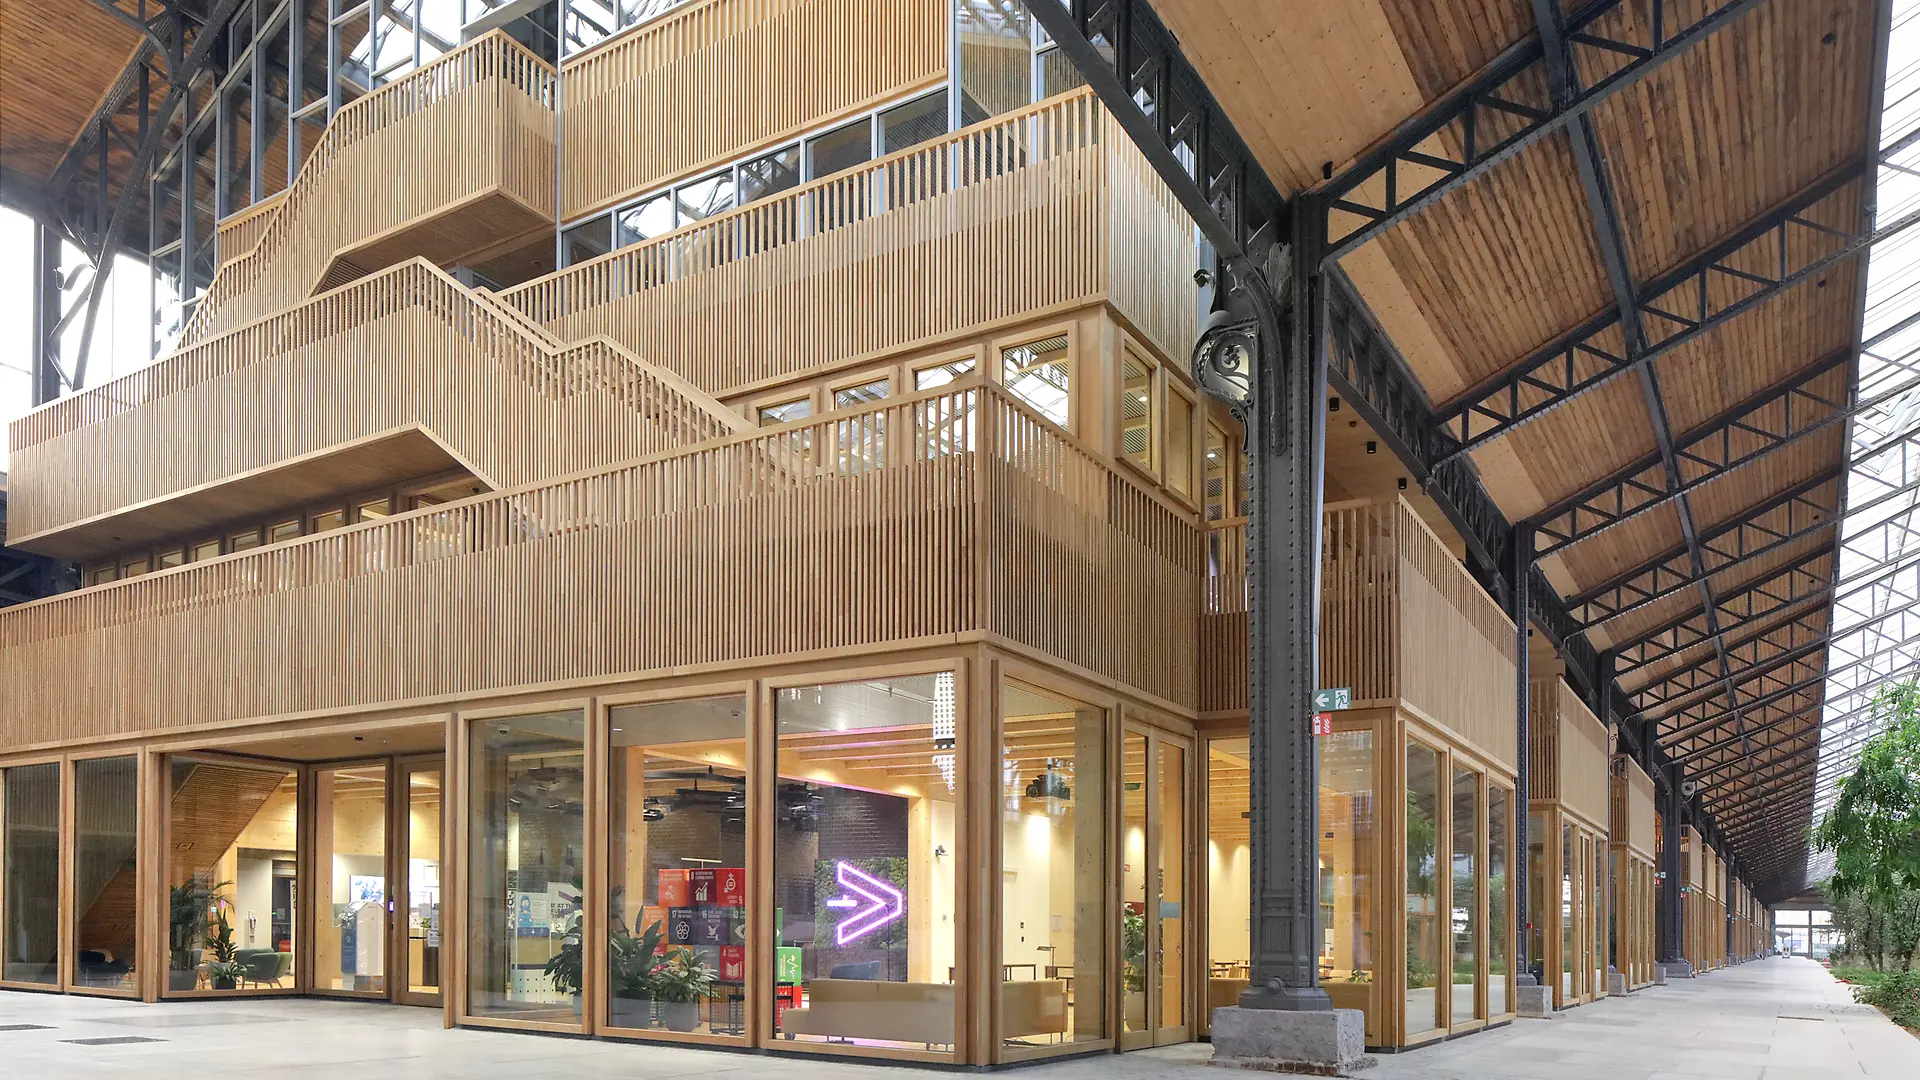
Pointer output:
x,y
1400,620
240,233
713,80
1632,816
1569,751
1047,206
476,120
403,347
910,520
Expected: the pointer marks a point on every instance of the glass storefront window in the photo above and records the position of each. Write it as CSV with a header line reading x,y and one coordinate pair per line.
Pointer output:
x,y
30,818
676,877
1596,904
1053,829
1134,923
1466,895
1499,929
1423,889
425,798
526,857
1346,867
865,845
1170,892
1567,938
1537,898
1040,374
1229,870
349,950
106,830
232,903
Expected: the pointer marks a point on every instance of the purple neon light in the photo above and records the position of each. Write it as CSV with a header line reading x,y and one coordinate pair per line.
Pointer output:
x,y
883,903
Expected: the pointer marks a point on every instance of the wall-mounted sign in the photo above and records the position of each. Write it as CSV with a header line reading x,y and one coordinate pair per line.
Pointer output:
x,y
1323,723
1341,698
868,904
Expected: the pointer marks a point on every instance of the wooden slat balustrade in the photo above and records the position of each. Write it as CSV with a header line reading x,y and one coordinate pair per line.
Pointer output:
x,y
1048,206
408,346
1400,621
474,129
712,80
910,520
240,233
1632,819
1569,752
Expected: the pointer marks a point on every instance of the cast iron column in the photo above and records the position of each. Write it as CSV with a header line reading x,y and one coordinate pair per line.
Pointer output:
x,y
1669,896
1285,439
1522,570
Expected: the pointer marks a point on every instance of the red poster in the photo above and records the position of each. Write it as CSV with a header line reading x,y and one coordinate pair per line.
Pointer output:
x,y
733,963
733,887
705,888
674,891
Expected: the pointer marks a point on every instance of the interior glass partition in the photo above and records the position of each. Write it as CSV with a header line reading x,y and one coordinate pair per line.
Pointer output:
x,y
425,787
865,845
30,907
1053,796
1347,853
1424,959
678,803
1499,899
1465,897
232,875
526,861
106,862
350,886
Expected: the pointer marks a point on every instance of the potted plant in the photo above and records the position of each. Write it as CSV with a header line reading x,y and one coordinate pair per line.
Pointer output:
x,y
224,969
187,906
630,962
679,982
1133,976
563,968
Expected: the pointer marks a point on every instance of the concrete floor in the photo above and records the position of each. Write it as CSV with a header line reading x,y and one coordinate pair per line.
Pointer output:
x,y
1773,1020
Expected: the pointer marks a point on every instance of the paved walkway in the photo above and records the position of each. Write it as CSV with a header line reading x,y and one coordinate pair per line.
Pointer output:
x,y
1773,1020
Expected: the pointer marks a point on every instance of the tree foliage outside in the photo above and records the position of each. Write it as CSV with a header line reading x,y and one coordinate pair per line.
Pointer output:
x,y
1873,833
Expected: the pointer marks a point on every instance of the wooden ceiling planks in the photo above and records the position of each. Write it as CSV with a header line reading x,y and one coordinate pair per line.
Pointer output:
x,y
1619,549
57,60
1566,450
1734,125
1814,612
1308,83
1763,348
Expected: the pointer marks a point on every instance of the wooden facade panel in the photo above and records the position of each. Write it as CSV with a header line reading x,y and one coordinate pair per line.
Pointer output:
x,y
812,536
1456,647
1735,124
407,347
1633,821
835,269
479,121
713,80
1569,752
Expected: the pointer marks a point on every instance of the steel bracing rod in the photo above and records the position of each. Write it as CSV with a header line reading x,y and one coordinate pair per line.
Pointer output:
x,y
1775,417
1123,50
141,167
1732,543
1580,362
1742,594
1497,98
1689,731
1792,748
1760,666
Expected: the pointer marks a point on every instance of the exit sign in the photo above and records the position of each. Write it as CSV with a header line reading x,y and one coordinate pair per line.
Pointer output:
x,y
1326,700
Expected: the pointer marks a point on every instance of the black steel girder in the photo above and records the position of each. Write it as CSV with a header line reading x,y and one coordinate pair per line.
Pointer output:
x,y
1739,605
1492,118
1786,690
1762,803
1750,666
1777,752
1766,422
1583,360
1136,68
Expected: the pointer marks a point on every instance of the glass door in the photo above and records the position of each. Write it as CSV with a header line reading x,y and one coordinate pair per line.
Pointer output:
x,y
421,819
350,863
1154,886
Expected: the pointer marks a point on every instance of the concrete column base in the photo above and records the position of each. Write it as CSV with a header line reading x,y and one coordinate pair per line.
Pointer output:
x,y
1616,983
1331,1042
1673,969
1535,1002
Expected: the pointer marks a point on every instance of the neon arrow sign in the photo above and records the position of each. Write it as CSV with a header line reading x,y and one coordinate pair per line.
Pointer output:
x,y
879,903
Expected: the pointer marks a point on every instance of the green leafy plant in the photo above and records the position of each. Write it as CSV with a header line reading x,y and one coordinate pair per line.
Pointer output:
x,y
223,966
187,908
1873,833
681,976
564,968
1897,994
1133,950
631,959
